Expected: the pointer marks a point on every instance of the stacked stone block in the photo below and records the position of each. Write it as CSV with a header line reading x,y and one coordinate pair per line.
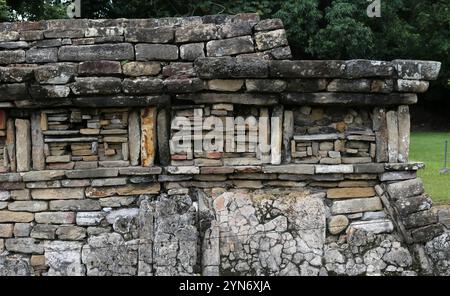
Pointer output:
x,y
92,181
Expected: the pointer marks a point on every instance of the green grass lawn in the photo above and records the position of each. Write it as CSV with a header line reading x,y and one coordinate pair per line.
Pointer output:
x,y
428,147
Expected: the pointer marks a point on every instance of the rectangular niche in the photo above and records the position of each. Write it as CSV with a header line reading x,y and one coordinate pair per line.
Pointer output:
x,y
333,135
243,129
81,138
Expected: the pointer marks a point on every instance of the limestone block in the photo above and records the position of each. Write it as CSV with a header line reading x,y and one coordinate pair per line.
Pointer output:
x,y
141,68
163,134
12,56
416,70
42,55
75,205
55,217
231,46
24,245
142,85
192,51
99,68
406,206
64,258
97,85
148,136
23,145
150,35
6,230
37,140
351,192
156,52
89,218
57,193
197,33
28,206
113,52
16,74
405,189
404,126
368,68
393,136
265,85
271,39
373,226
229,67
276,135
356,205
337,224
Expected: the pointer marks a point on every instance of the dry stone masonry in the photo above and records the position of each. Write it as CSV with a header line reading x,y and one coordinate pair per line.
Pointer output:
x,y
104,169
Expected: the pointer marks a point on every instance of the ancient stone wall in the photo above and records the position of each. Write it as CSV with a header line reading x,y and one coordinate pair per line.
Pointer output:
x,y
184,146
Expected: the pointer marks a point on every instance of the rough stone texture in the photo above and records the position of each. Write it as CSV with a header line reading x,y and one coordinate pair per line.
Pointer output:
x,y
23,145
90,182
152,52
115,52
268,241
64,258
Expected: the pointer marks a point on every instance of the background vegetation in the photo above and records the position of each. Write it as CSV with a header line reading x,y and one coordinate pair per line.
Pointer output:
x,y
429,148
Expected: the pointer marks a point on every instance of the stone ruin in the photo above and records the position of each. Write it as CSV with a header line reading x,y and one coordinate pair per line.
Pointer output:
x,y
93,180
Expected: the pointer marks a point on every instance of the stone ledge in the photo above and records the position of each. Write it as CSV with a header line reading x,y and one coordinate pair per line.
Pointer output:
x,y
354,99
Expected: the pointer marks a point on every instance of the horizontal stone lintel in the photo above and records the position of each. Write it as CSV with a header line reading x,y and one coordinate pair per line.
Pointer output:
x,y
348,99
289,169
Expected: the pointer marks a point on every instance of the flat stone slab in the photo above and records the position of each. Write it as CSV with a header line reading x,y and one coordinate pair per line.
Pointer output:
x,y
373,226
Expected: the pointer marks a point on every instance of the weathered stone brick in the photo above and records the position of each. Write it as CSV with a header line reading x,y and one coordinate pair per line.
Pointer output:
x,y
89,218
97,85
405,189
6,230
269,24
48,175
203,32
71,233
59,73
99,68
64,33
306,69
22,229
16,74
150,35
8,216
367,68
141,68
155,52
43,231
13,92
49,91
142,85
58,193
12,56
225,84
265,85
183,85
24,245
409,69
55,217
351,192
28,206
270,39
356,205
192,51
230,46
42,55
229,67
113,52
